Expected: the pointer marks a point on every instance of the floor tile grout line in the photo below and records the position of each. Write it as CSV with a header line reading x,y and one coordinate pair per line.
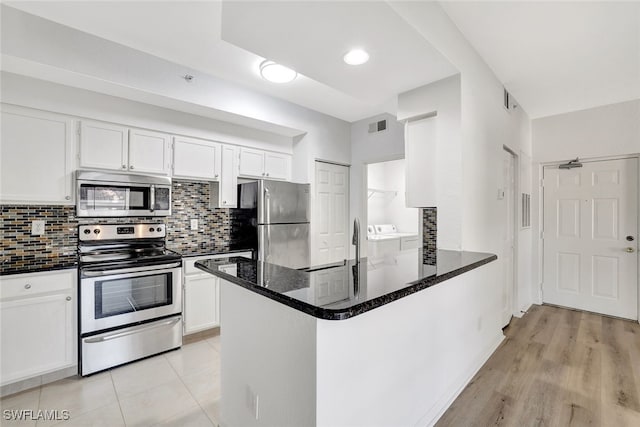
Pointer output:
x,y
113,384
215,423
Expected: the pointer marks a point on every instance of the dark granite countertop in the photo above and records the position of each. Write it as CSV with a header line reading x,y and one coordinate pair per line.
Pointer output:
x,y
203,250
39,265
338,292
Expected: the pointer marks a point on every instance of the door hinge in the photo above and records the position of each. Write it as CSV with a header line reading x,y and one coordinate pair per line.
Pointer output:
x,y
542,234
78,127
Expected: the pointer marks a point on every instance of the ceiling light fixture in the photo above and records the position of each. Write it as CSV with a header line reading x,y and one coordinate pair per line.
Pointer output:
x,y
276,73
356,57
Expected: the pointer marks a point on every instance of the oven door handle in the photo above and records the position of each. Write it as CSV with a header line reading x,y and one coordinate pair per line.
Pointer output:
x,y
111,272
139,329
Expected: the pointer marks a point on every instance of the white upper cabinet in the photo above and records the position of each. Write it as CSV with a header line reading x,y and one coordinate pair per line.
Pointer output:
x,y
103,146
251,162
115,147
420,142
36,157
196,158
228,196
277,166
264,164
149,152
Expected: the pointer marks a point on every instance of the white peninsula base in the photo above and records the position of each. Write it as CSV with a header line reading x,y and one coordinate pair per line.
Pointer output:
x,y
400,364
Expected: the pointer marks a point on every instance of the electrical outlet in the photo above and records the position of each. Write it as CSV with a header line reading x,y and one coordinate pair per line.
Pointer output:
x,y
37,227
194,224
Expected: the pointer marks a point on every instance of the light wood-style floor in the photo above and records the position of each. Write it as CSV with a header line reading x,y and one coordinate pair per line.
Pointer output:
x,y
556,367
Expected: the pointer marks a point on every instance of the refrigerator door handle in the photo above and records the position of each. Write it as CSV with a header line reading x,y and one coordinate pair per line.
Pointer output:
x,y
267,207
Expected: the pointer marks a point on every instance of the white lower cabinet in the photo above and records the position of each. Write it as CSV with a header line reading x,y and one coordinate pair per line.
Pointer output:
x,y
200,303
201,298
38,314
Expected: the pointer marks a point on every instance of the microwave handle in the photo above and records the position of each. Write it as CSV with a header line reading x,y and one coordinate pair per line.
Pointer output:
x,y
153,198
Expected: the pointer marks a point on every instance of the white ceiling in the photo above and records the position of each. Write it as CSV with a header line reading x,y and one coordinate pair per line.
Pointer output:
x,y
311,37
556,57
553,57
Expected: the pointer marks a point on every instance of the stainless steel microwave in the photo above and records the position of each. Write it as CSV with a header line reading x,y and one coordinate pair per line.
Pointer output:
x,y
108,194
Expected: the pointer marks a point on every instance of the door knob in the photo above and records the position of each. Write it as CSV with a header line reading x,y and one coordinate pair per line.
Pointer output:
x,y
629,238
630,250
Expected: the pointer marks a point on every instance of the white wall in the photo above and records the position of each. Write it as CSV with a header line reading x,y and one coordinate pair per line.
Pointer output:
x,y
485,127
390,208
610,130
442,97
603,131
370,148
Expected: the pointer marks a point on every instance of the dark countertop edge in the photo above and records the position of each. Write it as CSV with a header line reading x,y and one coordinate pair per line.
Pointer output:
x,y
39,270
205,252
346,313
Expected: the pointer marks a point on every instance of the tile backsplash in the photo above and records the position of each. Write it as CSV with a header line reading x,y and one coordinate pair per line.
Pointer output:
x,y
429,235
20,251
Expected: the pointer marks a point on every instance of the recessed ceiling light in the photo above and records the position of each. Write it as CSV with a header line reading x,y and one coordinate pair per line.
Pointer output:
x,y
356,57
276,73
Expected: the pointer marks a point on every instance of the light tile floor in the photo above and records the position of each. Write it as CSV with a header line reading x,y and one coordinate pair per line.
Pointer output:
x,y
179,388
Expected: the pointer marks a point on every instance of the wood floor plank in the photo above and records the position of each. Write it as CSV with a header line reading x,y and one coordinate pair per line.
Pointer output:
x,y
557,367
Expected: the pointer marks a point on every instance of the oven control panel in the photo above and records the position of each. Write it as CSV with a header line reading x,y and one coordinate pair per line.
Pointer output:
x,y
120,231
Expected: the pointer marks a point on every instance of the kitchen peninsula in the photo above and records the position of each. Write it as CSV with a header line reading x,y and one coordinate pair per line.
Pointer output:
x,y
387,341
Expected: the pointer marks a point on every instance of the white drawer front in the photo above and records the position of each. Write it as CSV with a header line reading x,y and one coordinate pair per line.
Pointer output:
x,y
189,263
409,243
28,284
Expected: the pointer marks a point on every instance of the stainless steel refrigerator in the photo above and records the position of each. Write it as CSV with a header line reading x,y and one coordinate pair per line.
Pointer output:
x,y
277,225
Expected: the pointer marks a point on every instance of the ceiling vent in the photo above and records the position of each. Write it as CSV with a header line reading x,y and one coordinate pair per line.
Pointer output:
x,y
377,126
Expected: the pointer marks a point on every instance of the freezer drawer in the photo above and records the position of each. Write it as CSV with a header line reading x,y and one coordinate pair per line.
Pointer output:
x,y
114,348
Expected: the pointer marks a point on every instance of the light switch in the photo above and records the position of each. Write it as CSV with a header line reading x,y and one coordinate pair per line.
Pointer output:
x,y
194,224
37,227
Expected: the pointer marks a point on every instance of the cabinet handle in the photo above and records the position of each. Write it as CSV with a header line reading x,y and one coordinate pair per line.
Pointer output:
x,y
224,202
267,174
262,173
131,167
216,176
68,298
27,286
67,197
124,166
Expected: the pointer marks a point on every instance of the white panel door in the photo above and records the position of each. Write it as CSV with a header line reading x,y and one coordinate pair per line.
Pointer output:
x,y
196,158
103,146
251,162
591,237
149,152
331,220
200,303
36,157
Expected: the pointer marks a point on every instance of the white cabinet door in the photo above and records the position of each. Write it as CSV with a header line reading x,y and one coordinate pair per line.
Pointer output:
x,y
420,154
251,162
36,157
196,158
277,166
103,146
149,152
200,303
38,331
228,196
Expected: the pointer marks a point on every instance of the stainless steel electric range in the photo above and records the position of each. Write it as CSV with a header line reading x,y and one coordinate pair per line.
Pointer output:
x,y
130,287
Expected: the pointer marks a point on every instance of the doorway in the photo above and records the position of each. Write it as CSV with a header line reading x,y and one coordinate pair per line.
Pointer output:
x,y
509,198
391,225
331,213
590,232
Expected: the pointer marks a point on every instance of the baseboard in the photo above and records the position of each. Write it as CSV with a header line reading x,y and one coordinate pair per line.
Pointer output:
x,y
440,407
